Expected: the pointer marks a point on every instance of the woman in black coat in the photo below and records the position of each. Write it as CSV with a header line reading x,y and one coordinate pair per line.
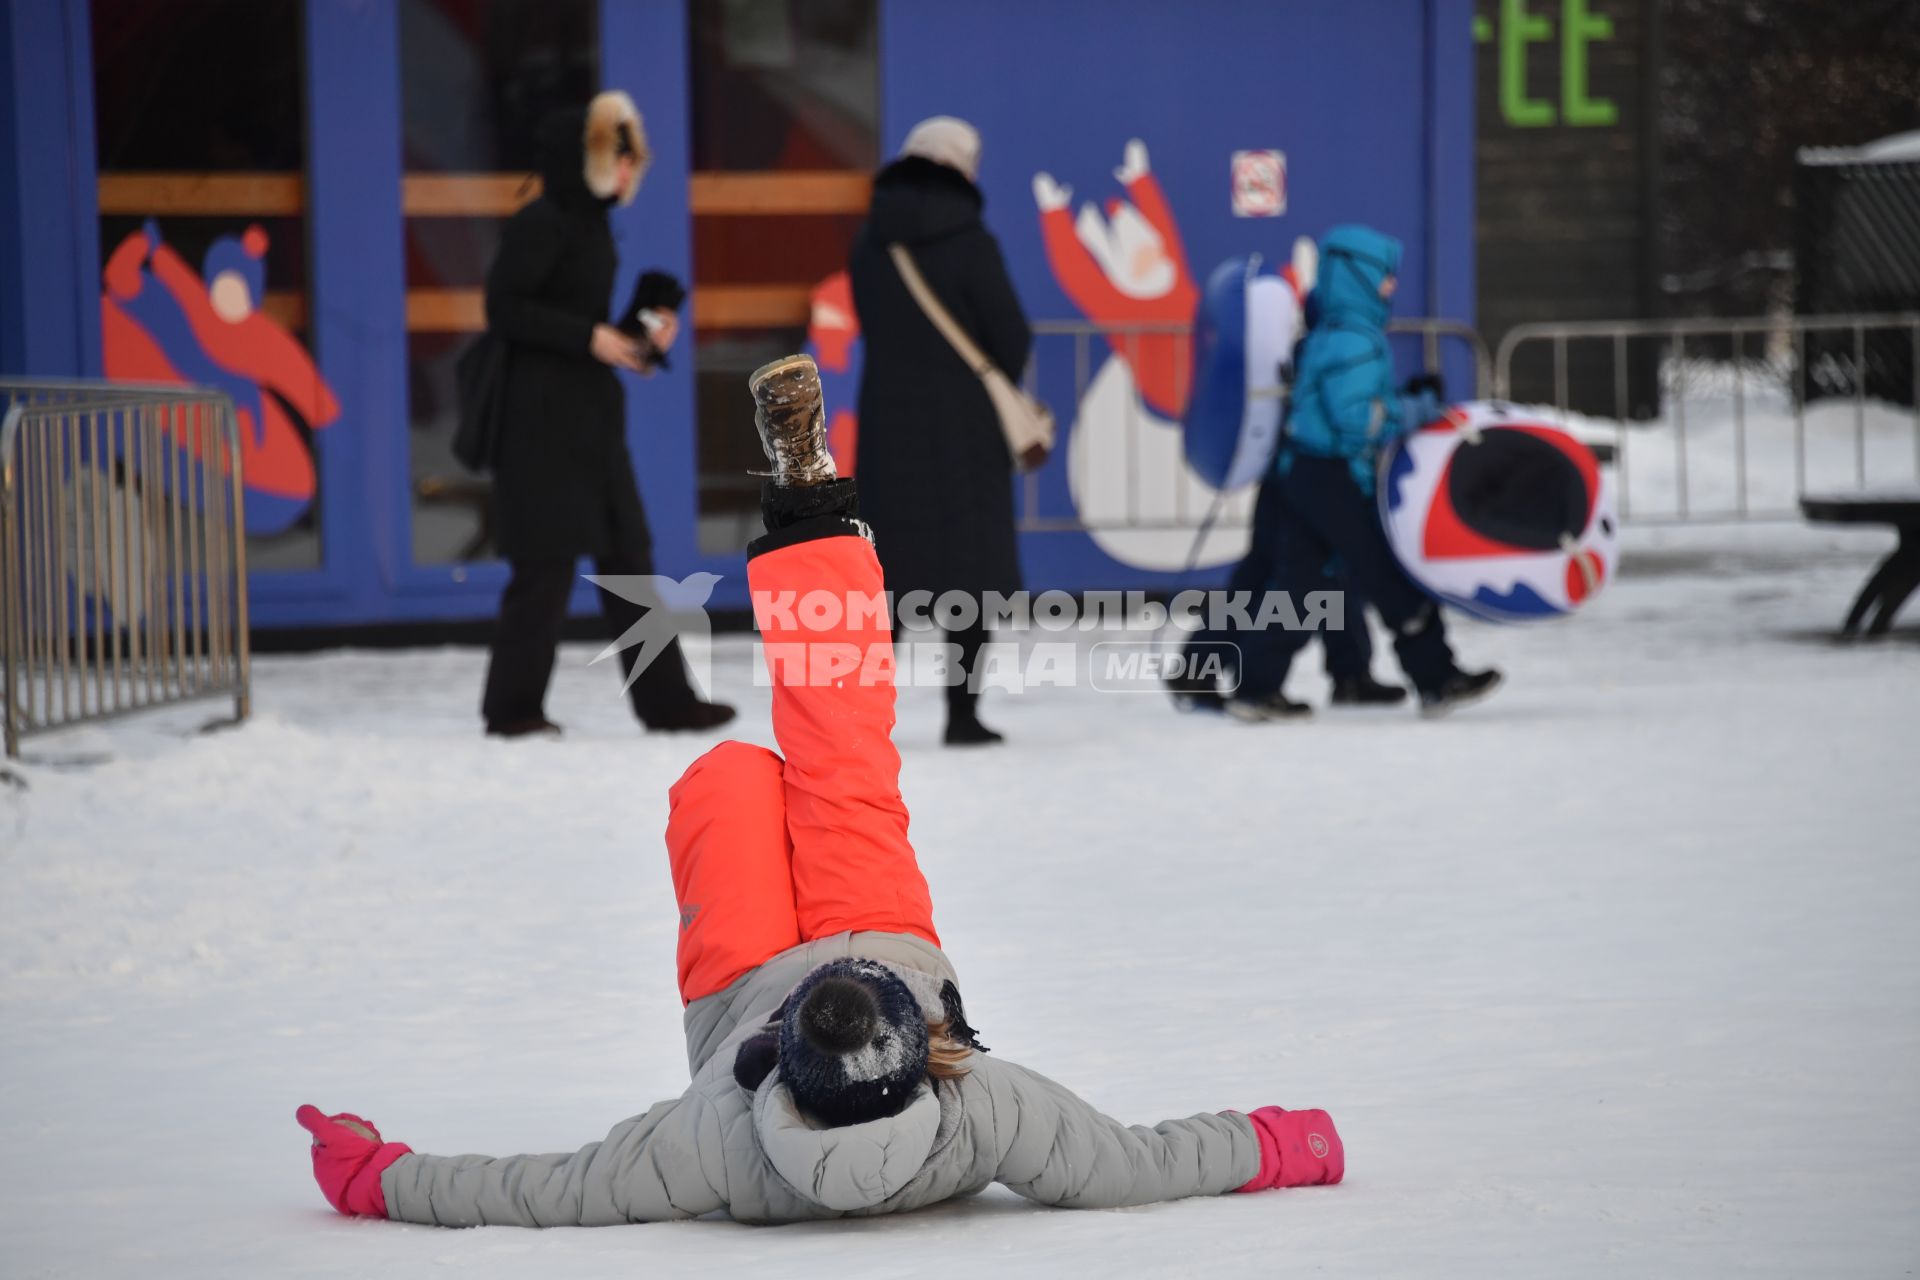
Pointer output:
x,y
563,479
935,475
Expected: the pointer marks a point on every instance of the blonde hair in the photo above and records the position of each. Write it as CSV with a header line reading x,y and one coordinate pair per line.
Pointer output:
x,y
946,1056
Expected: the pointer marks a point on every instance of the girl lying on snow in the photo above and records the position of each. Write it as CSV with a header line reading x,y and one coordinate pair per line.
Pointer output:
x,y
833,1068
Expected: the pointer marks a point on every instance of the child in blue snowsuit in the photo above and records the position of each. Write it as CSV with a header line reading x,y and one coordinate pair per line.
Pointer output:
x,y
1259,667
1344,411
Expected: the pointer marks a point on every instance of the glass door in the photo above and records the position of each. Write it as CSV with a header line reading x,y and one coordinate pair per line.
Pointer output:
x,y
203,237
476,76
785,115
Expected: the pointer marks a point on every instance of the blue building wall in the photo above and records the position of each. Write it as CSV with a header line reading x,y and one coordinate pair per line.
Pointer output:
x,y
1370,100
49,251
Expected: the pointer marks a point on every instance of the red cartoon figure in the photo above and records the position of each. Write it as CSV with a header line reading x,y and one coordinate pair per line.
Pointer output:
x,y
1126,268
833,340
1126,465
163,322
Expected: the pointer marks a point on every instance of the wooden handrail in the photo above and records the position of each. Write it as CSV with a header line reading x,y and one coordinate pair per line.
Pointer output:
x,y
752,306
466,195
259,195
446,310
472,195
784,192
269,195
714,306
453,195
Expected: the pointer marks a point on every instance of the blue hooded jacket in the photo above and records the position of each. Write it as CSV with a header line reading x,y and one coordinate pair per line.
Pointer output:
x,y
1344,404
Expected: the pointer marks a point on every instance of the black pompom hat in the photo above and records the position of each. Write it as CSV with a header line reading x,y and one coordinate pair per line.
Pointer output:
x,y
853,1043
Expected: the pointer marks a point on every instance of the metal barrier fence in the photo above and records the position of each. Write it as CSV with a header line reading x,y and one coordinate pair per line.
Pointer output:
x,y
1753,384
1123,452
1433,331
123,566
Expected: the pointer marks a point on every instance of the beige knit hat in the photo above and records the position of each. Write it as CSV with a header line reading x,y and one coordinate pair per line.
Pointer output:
x,y
946,140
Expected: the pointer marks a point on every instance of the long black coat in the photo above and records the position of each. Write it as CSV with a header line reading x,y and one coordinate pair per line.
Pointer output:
x,y
935,475
563,481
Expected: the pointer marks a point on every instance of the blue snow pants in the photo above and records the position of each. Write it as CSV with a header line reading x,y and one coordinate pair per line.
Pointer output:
x,y
1261,663
1320,516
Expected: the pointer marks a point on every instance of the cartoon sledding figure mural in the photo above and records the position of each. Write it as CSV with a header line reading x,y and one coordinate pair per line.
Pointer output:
x,y
833,340
163,322
1127,268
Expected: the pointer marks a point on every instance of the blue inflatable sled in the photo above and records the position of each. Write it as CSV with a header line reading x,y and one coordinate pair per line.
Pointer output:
x,y
1243,338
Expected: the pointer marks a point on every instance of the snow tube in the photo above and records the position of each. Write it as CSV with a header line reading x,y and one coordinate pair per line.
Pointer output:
x,y
1243,333
1500,513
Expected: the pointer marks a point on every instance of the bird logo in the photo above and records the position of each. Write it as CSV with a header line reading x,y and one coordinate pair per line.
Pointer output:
x,y
670,608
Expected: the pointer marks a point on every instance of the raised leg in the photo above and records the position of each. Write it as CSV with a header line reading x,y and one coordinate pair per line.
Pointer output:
x,y
820,602
827,638
732,866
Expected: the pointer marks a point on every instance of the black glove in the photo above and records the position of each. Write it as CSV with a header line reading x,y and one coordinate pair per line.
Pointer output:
x,y
654,290
1426,382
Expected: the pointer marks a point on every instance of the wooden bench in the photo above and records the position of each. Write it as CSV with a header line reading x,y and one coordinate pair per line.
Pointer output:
x,y
1899,574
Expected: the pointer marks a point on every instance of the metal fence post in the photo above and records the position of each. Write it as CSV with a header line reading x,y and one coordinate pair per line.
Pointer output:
x,y
1860,404
10,560
1620,417
1680,423
1739,430
242,636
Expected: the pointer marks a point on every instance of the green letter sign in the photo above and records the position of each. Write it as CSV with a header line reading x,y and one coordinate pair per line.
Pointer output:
x,y
1579,27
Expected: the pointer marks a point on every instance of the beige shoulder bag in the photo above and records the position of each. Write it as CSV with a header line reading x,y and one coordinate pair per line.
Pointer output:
x,y
1026,423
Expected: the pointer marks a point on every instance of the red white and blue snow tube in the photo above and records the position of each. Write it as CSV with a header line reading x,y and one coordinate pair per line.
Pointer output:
x,y
1501,514
1243,333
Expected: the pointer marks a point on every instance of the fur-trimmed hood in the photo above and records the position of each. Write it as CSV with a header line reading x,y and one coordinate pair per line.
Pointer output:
x,y
612,121
580,152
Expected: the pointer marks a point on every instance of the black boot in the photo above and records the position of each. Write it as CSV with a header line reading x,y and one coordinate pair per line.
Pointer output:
x,y
965,730
791,416
531,727
1272,706
1365,691
803,497
693,715
1195,692
963,701
1460,689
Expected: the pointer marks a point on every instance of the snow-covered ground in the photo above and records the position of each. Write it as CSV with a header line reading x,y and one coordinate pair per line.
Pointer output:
x,y
1617,974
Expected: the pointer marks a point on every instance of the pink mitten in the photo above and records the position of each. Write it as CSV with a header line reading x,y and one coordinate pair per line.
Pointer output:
x,y
1297,1149
348,1159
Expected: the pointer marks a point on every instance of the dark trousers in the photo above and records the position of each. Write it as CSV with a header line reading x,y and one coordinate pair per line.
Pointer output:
x,y
1263,659
1260,657
531,612
961,699
1323,515
1316,515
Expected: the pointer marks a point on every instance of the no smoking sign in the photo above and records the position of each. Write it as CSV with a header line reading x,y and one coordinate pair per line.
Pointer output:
x,y
1259,184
